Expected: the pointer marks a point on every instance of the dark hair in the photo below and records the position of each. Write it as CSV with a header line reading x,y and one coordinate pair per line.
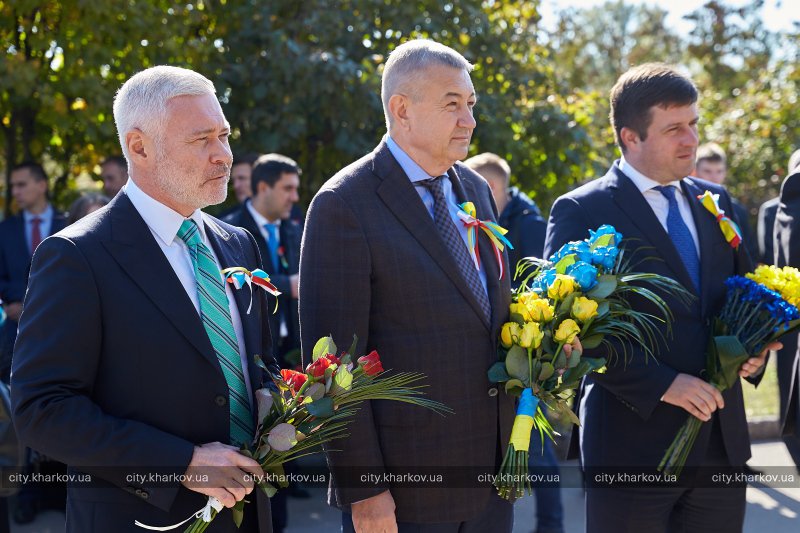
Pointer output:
x,y
80,207
710,153
246,157
270,167
34,168
640,89
117,160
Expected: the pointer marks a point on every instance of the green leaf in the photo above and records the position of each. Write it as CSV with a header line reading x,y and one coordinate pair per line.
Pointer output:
x,y
514,387
497,373
260,362
730,355
566,261
323,346
352,350
268,489
602,309
315,391
322,408
517,363
238,513
606,284
593,341
566,304
547,371
342,380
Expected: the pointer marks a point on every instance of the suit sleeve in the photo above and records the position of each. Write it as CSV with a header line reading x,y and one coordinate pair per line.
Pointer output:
x,y
55,363
335,288
637,382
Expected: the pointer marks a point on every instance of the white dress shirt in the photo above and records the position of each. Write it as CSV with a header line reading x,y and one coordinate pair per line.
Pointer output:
x,y
164,224
658,202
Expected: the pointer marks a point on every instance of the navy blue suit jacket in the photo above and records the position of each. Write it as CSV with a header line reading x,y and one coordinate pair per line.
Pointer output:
x,y
114,372
291,233
624,423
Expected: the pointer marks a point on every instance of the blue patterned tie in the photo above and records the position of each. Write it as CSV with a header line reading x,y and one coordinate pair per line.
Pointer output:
x,y
455,244
272,244
216,316
681,236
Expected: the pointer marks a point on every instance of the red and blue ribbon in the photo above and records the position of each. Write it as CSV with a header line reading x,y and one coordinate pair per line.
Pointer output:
x,y
495,232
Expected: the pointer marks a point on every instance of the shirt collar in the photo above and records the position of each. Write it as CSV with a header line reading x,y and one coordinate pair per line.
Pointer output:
x,y
642,182
259,219
162,220
414,172
45,216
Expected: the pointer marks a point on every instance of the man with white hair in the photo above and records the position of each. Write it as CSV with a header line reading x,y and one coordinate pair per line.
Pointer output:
x,y
398,272
135,361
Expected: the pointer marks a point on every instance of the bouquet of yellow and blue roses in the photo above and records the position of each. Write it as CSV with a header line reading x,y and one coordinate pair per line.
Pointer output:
x,y
581,292
759,308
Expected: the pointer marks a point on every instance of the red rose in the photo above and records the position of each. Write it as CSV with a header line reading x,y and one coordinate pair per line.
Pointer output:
x,y
333,359
371,363
317,368
295,380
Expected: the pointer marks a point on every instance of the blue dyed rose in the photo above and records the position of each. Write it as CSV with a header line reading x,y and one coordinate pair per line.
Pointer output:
x,y
580,249
543,280
584,273
599,235
605,257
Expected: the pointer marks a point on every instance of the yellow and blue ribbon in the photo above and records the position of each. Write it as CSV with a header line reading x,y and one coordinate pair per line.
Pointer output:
x,y
729,228
495,232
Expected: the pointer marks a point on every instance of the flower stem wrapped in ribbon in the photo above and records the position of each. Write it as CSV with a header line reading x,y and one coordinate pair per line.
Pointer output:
x,y
757,311
729,228
240,276
580,292
310,408
468,216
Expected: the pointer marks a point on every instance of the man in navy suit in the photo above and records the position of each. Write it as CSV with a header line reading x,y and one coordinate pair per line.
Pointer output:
x,y
266,215
128,325
19,237
630,414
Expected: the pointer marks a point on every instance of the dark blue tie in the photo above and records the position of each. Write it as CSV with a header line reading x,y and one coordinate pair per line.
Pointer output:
x,y
272,244
681,236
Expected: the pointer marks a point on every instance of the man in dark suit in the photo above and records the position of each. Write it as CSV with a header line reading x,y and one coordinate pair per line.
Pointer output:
x,y
19,237
384,256
787,252
128,325
631,414
275,183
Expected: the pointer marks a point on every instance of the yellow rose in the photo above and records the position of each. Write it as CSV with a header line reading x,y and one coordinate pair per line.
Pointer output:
x,y
531,335
566,331
509,334
520,309
584,308
541,311
561,287
527,297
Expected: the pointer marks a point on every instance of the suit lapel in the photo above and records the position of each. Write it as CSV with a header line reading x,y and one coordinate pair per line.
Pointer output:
x,y
707,232
229,252
136,251
632,202
400,197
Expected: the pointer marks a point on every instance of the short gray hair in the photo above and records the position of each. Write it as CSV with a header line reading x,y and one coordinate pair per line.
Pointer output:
x,y
141,103
405,64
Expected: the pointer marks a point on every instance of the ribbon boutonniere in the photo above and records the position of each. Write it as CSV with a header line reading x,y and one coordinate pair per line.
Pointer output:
x,y
729,228
496,233
240,276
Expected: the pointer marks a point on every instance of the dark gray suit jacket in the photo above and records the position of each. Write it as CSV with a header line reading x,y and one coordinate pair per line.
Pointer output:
x,y
373,263
114,373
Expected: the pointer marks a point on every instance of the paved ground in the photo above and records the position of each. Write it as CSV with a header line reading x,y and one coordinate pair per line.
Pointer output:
x,y
775,510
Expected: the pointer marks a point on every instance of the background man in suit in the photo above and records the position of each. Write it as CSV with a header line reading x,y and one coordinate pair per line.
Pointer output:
x,y
19,237
114,173
275,183
384,256
766,218
153,371
631,414
787,252
712,165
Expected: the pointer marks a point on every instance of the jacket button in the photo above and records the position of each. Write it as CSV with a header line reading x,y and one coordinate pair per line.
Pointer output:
x,y
492,391
221,400
144,495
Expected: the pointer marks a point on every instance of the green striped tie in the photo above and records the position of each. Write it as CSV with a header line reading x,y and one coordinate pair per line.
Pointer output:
x,y
217,322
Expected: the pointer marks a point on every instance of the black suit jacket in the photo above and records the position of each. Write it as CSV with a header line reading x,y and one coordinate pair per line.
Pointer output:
x,y
766,230
113,371
373,264
787,252
291,233
624,423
